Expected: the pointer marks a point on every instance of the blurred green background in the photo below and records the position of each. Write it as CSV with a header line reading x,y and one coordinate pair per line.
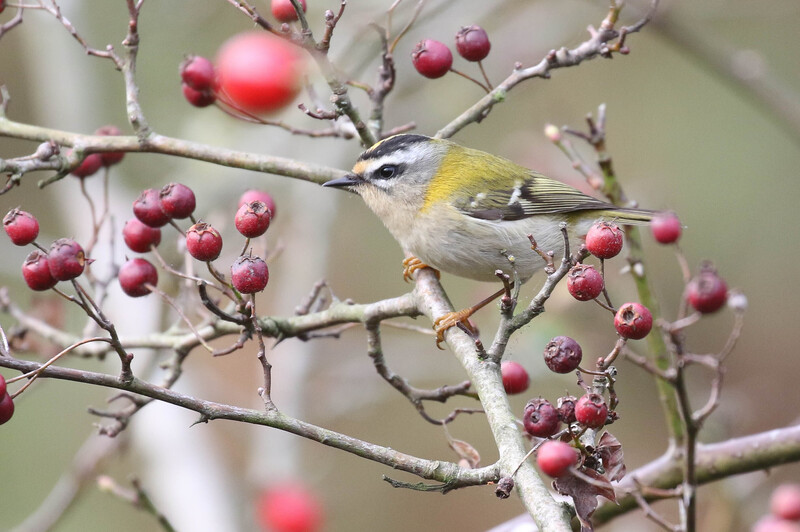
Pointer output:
x,y
683,135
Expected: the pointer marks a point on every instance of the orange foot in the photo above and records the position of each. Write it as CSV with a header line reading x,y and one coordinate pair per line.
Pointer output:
x,y
451,319
412,264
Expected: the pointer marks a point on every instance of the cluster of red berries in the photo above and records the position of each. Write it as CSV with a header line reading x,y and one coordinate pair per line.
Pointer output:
x,y
94,161
784,513
6,403
433,59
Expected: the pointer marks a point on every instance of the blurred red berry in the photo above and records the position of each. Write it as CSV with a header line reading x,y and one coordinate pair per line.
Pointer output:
x,y
771,523
258,195
198,98
139,237
707,292
3,388
147,208
6,408
540,418
554,458
472,43
135,275
284,11
785,502
591,410
198,73
252,219
562,354
203,242
289,508
110,157
515,377
249,274
666,227
36,272
432,59
584,282
21,227
604,240
633,321
89,166
177,201
66,259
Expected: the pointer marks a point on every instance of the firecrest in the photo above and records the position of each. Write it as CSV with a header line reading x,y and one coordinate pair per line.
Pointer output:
x,y
465,211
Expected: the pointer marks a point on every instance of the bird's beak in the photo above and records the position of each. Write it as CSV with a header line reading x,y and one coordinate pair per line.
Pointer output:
x,y
346,181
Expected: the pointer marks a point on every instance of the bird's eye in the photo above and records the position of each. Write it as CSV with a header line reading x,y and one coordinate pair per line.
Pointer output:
x,y
387,171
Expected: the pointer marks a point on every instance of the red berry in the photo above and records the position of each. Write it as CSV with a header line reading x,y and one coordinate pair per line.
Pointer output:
x,y
258,195
66,259
289,508
432,59
198,73
259,72
203,242
566,408
2,5
177,201
666,227
139,237
604,240
3,389
554,458
135,275
562,354
249,274
770,523
89,166
36,272
785,502
110,157
472,43
591,411
6,408
584,282
198,98
284,11
252,219
515,378
633,321
707,292
147,208
540,418
21,227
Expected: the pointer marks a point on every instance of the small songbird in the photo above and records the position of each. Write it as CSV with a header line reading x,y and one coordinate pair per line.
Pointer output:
x,y
465,211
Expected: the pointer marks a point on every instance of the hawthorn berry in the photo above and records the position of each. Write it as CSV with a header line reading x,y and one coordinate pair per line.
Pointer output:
x,y
566,408
771,523
36,272
604,240
707,292
258,195
432,59
540,418
203,242
259,72
584,282
21,227
562,354
666,227
110,158
289,508
198,73
3,389
591,410
249,274
515,377
139,237
147,208
135,275
472,43
284,11
785,502
88,166
2,5
252,219
177,201
66,259
633,321
198,98
6,408
554,458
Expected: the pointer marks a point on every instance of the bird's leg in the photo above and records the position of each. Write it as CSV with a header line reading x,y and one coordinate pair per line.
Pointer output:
x,y
412,264
442,323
